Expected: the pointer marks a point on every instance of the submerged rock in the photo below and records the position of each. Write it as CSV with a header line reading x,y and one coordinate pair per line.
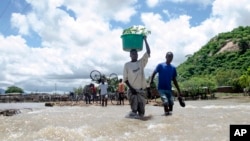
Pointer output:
x,y
10,112
49,104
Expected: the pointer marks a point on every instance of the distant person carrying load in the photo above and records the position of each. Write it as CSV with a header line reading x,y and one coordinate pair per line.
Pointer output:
x,y
133,75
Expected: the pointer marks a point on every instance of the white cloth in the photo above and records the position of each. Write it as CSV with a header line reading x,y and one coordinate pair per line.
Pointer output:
x,y
103,88
134,72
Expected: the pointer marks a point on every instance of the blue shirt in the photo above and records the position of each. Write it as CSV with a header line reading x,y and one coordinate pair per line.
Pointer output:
x,y
166,74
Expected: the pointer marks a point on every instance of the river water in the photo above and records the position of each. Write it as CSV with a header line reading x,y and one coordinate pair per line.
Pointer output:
x,y
206,120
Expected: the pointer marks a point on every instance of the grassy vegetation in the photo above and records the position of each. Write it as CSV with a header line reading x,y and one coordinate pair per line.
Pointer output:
x,y
211,67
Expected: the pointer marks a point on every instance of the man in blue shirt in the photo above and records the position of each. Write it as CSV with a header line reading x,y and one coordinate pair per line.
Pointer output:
x,y
167,73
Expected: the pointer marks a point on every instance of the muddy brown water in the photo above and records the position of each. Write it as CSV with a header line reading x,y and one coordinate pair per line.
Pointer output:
x,y
204,120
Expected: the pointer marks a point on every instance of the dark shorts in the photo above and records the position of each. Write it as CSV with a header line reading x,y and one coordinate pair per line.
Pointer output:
x,y
137,102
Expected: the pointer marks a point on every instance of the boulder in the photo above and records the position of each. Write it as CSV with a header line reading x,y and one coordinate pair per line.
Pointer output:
x,y
49,104
10,112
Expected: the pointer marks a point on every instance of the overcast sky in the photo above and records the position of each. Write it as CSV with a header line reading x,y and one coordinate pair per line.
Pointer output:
x,y
48,45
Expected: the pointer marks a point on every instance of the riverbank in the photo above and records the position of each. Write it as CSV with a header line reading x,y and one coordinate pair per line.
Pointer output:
x,y
237,97
233,96
155,102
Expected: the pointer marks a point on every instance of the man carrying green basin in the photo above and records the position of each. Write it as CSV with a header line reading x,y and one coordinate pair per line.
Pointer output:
x,y
133,76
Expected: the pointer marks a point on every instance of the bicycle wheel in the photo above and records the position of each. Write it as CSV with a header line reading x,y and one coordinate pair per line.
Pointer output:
x,y
113,77
113,99
95,75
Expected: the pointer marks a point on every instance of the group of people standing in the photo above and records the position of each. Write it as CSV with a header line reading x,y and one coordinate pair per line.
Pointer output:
x,y
133,75
89,90
103,93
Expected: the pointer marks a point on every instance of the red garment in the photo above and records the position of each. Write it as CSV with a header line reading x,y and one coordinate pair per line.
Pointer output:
x,y
93,89
121,88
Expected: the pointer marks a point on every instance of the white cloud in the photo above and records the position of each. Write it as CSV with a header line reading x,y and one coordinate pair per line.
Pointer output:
x,y
124,15
232,13
71,48
174,35
202,2
152,3
19,21
167,13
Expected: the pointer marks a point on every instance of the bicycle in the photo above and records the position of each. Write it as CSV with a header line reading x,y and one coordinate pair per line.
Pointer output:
x,y
96,76
112,81
113,98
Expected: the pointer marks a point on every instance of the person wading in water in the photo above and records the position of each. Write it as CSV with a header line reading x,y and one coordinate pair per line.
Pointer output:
x,y
133,76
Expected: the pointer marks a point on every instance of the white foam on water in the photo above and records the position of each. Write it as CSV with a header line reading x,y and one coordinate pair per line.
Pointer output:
x,y
63,133
156,126
213,126
199,120
35,112
15,136
226,107
127,134
191,107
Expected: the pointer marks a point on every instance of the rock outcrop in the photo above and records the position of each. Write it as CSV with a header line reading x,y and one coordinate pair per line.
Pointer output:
x,y
10,112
